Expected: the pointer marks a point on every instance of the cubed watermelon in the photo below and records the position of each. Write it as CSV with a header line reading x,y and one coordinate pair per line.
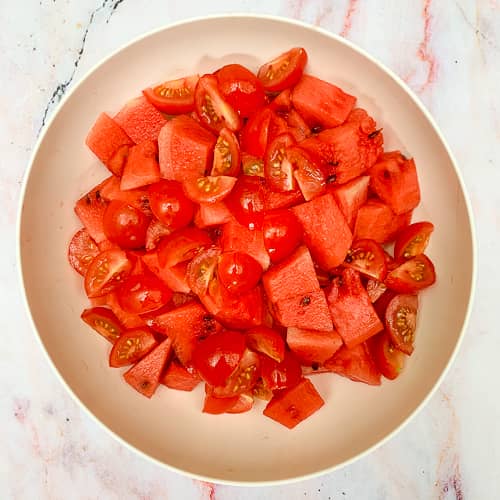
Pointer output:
x,y
311,346
212,214
351,196
141,167
180,378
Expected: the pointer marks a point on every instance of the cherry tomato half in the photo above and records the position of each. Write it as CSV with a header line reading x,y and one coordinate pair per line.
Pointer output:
x,y
413,240
247,199
131,347
412,276
173,97
267,341
201,270
170,205
253,137
104,322
280,375
389,360
82,249
367,257
238,272
181,246
125,225
226,154
284,71
209,189
401,320
277,167
282,233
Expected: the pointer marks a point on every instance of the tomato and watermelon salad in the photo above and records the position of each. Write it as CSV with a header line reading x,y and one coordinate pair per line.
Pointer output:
x,y
240,240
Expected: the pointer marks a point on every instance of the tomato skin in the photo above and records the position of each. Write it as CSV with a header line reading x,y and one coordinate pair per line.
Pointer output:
x,y
131,347
82,249
282,233
226,154
284,71
247,201
254,135
143,293
170,205
277,167
212,109
275,376
238,272
217,357
241,89
209,189
412,276
389,360
309,175
412,240
181,246
104,322
173,97
267,341
400,319
125,225
106,272
201,269
367,257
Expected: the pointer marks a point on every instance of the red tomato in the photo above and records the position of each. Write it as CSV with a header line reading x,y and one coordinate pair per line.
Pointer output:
x,y
413,240
251,165
125,225
156,231
104,322
247,201
241,89
107,272
212,109
412,276
267,341
253,137
217,357
82,249
170,205
173,97
389,360
209,189
238,272
309,176
367,257
282,233
280,375
131,347
143,293
284,71
401,320
183,245
226,154
375,289
201,269
277,167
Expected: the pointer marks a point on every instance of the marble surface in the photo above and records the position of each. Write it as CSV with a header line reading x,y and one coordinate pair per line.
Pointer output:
x,y
448,52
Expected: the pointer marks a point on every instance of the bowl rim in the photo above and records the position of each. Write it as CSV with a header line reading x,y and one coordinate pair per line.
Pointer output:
x,y
437,131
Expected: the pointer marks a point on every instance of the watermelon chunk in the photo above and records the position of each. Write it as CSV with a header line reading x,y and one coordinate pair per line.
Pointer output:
x,y
185,148
351,196
313,347
351,309
291,277
326,232
145,375
212,214
174,277
180,378
140,120
141,167
306,310
106,139
90,210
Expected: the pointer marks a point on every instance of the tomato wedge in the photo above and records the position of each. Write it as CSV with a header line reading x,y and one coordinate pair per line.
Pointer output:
x,y
277,167
104,322
226,154
131,347
253,137
367,257
412,276
281,375
251,165
82,249
401,320
209,189
389,360
173,97
238,272
283,71
413,240
107,272
212,109
181,246
201,270
247,201
309,176
282,233
267,341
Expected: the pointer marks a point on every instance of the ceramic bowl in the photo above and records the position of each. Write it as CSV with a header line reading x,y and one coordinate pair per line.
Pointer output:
x,y
170,428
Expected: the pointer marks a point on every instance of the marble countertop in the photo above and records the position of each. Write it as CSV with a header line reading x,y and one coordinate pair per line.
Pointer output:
x,y
448,53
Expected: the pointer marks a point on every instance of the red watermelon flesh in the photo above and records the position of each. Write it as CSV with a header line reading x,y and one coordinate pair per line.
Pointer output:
x,y
141,167
351,196
140,120
311,346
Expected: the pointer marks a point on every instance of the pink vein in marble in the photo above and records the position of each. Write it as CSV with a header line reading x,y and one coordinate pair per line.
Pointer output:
x,y
347,25
209,489
295,8
424,52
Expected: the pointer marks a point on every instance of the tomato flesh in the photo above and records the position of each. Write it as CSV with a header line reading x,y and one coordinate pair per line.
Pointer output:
x,y
267,341
401,319
173,97
82,249
413,240
131,347
389,360
226,154
276,376
283,71
104,322
412,276
367,257
277,167
209,189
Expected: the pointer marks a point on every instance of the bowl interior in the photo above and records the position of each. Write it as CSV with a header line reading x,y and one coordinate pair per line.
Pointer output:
x,y
170,427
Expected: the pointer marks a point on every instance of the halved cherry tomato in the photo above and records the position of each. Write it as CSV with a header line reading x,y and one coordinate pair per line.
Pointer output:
x,y
201,269
308,174
253,137
125,225
412,276
367,257
143,293
217,357
284,71
104,322
181,246
209,189
277,126
243,379
251,165
226,154
238,272
107,272
82,249
170,205
413,240
280,375
282,233
389,360
131,347
277,167
173,97
213,110
282,102
401,320
267,341
246,200
241,89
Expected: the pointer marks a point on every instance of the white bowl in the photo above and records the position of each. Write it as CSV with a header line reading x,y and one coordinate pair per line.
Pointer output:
x,y
170,428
